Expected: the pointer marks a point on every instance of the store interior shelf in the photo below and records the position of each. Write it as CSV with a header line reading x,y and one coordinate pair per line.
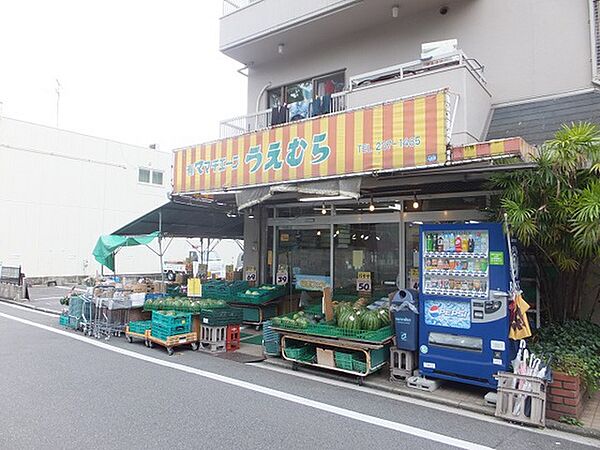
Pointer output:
x,y
456,273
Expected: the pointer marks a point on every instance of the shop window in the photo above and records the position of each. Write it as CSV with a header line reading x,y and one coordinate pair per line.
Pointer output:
x,y
366,248
446,204
149,176
330,84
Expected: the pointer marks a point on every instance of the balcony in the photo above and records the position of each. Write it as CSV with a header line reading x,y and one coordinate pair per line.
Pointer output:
x,y
251,30
462,76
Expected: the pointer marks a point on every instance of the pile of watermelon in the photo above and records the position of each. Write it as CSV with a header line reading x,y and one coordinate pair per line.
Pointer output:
x,y
355,316
182,304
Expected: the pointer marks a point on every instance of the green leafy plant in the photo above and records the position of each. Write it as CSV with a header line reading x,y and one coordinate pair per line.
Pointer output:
x,y
571,421
573,348
554,211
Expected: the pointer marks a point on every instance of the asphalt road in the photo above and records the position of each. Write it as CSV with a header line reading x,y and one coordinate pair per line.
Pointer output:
x,y
60,389
49,297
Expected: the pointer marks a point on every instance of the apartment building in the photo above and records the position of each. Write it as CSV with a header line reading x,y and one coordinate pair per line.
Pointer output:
x,y
399,109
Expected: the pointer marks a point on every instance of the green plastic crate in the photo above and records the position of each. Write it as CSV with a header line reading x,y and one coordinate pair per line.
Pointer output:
x,y
271,348
179,319
378,358
306,353
140,326
252,314
329,329
63,320
343,360
221,316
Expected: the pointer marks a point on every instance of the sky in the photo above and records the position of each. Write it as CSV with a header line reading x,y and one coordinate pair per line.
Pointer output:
x,y
140,72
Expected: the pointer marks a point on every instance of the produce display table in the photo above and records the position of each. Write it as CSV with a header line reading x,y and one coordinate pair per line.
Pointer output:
x,y
329,352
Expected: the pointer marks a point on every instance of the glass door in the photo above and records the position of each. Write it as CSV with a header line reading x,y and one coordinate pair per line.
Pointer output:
x,y
306,252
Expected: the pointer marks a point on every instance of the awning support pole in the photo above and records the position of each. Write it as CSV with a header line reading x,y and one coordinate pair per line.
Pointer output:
x,y
160,252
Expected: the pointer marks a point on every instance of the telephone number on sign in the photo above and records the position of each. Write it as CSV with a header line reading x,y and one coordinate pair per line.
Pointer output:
x,y
388,144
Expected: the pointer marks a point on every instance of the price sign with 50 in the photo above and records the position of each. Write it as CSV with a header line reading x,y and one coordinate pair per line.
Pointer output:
x,y
363,282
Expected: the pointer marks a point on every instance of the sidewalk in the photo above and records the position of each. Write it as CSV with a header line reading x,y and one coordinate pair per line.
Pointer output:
x,y
457,395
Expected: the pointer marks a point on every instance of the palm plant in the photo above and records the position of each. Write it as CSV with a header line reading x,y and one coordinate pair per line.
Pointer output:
x,y
554,210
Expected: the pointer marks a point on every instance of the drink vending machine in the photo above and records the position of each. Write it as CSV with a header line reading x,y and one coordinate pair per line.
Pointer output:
x,y
463,307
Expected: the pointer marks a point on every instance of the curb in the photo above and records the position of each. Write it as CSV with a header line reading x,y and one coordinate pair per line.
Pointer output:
x,y
550,424
24,305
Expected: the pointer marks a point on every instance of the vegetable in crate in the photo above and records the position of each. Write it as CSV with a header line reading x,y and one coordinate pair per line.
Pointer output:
x,y
148,304
350,321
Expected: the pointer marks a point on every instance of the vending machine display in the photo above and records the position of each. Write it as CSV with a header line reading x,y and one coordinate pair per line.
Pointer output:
x,y
464,315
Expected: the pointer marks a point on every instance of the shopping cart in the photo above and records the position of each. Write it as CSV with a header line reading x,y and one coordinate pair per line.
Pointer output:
x,y
110,312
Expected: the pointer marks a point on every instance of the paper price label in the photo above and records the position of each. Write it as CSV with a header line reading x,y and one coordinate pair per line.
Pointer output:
x,y
281,278
363,282
250,273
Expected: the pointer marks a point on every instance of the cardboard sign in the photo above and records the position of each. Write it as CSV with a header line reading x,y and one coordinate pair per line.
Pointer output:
x,y
363,282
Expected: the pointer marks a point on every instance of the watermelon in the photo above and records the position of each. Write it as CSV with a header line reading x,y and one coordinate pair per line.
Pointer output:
x,y
370,320
351,322
384,316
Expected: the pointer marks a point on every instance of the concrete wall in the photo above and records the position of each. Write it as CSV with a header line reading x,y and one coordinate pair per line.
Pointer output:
x,y
59,191
530,48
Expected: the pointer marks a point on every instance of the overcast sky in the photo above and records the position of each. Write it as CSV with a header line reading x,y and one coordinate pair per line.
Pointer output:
x,y
135,71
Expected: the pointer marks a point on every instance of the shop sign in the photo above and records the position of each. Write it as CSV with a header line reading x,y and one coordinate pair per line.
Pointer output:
x,y
282,275
285,237
312,282
250,273
404,134
363,282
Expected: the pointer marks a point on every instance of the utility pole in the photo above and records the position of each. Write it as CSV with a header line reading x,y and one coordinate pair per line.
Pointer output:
x,y
58,87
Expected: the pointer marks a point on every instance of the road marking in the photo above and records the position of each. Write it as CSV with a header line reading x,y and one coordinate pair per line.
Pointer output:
x,y
427,404
45,298
27,309
395,426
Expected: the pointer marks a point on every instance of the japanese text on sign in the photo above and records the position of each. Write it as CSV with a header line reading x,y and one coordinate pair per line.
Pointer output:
x,y
271,158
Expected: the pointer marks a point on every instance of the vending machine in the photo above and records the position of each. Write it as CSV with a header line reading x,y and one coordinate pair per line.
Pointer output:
x,y
463,307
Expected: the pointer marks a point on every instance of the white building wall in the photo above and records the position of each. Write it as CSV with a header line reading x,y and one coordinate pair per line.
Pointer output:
x,y
59,191
530,48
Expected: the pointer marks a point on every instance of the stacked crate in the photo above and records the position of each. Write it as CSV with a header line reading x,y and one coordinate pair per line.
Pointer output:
x,y
164,325
271,340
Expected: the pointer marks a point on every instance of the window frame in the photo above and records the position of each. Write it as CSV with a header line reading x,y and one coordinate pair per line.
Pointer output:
x,y
151,173
594,7
314,79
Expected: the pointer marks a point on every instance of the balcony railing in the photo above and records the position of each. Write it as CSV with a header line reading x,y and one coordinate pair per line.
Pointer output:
x,y
339,101
262,119
420,66
230,6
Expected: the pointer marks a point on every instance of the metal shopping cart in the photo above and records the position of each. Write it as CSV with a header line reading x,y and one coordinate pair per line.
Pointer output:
x,y
110,312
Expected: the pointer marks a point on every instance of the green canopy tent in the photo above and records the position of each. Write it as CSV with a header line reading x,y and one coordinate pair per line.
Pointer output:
x,y
108,246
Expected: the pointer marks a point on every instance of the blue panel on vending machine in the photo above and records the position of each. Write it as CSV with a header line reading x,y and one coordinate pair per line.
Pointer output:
x,y
464,315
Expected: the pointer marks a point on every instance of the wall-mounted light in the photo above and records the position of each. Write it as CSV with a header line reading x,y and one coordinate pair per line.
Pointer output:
x,y
251,214
280,49
323,210
371,205
415,204
319,233
395,11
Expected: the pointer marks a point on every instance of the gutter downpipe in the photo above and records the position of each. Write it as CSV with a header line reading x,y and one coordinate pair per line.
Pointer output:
x,y
260,94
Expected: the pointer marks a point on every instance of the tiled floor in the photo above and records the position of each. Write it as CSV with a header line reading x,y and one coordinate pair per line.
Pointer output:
x,y
591,413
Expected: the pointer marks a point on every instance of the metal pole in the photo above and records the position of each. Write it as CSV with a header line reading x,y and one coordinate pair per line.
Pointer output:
x,y
160,252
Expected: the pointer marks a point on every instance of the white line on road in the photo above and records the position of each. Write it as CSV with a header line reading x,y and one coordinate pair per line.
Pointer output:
x,y
407,429
427,404
28,309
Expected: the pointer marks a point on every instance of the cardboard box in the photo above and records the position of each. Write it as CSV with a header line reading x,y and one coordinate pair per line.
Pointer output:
x,y
325,357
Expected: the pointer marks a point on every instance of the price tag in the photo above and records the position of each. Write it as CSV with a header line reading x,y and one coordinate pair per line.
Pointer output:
x,y
282,275
250,273
363,282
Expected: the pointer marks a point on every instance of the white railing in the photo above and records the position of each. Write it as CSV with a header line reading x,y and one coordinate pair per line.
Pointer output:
x,y
262,119
420,66
231,6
